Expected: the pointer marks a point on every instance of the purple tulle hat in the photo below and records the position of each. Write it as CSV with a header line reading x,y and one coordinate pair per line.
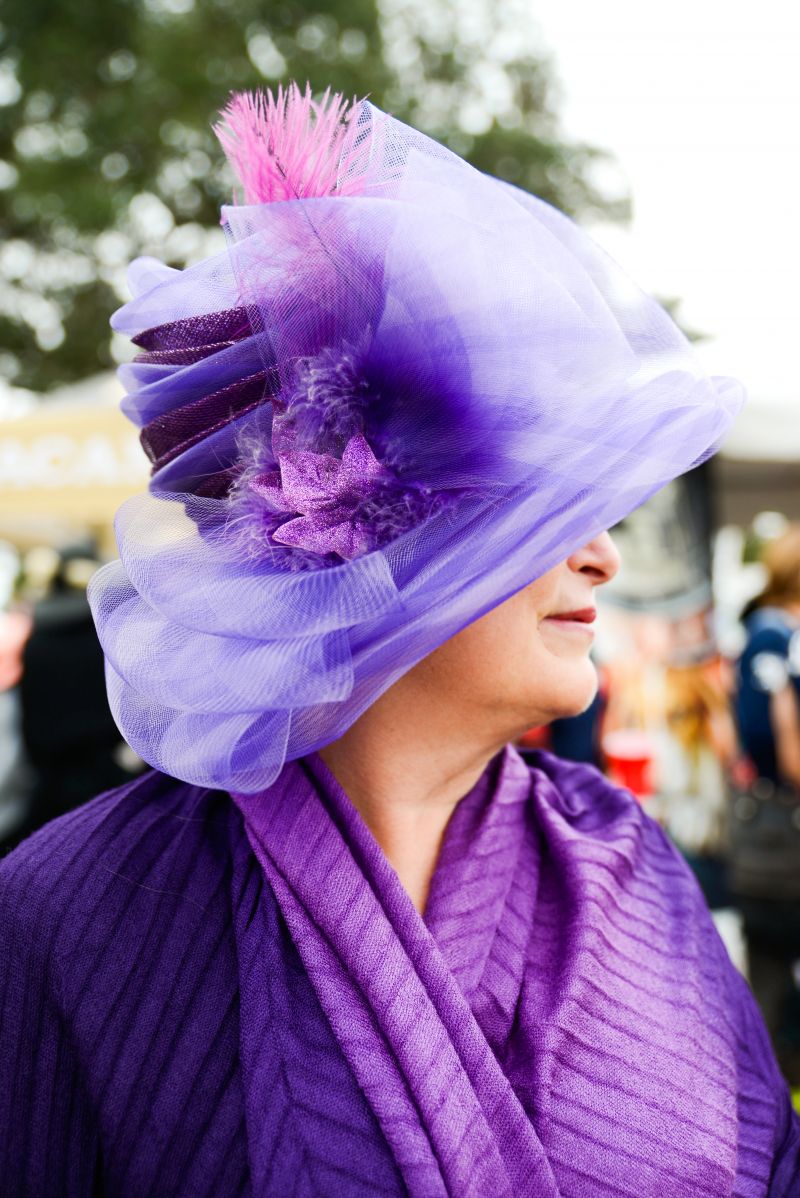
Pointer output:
x,y
404,392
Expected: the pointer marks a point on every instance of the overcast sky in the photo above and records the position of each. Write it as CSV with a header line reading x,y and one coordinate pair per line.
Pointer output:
x,y
699,100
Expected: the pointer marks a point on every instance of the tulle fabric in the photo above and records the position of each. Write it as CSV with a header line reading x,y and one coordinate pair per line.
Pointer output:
x,y
507,364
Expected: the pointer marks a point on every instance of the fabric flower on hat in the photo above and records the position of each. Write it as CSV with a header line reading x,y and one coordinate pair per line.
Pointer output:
x,y
344,506
327,494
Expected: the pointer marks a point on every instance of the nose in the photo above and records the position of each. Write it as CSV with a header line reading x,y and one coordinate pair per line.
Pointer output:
x,y
598,560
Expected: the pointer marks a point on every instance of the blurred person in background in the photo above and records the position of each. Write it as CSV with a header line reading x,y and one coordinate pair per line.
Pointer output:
x,y
15,627
765,850
72,745
15,778
768,704
698,750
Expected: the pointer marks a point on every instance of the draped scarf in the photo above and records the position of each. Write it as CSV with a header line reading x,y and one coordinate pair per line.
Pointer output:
x,y
562,1021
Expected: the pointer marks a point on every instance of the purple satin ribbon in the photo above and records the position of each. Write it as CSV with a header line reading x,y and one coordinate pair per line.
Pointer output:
x,y
182,343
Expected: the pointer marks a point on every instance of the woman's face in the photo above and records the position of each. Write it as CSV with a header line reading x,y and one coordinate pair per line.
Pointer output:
x,y
527,661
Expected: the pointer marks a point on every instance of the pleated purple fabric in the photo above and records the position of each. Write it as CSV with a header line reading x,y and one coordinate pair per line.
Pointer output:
x,y
238,998
563,1022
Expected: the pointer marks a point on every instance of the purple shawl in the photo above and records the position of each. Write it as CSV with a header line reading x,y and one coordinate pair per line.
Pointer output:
x,y
193,1007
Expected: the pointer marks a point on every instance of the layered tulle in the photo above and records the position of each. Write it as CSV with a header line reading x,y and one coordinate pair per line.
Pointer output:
x,y
522,393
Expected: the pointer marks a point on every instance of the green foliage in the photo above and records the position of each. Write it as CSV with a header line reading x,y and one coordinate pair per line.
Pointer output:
x,y
106,147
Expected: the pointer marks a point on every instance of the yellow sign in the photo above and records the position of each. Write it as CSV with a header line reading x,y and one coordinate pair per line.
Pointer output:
x,y
72,462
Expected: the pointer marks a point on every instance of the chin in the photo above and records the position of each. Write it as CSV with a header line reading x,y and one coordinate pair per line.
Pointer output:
x,y
576,692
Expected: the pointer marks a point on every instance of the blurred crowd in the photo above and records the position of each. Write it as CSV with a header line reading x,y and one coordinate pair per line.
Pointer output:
x,y
702,724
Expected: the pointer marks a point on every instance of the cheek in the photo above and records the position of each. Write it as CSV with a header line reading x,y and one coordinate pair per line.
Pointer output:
x,y
510,659
507,663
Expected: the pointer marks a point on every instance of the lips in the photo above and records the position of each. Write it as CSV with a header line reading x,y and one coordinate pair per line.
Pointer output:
x,y
586,615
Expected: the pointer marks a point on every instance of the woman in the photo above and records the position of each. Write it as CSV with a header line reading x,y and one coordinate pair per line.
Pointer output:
x,y
359,947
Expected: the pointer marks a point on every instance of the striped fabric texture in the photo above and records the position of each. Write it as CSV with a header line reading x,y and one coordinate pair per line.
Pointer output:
x,y
201,996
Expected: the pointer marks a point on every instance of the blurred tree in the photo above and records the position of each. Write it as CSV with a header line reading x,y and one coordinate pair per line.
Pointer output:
x,y
106,149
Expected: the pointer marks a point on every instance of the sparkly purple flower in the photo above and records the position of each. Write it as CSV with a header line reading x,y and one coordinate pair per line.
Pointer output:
x,y
331,497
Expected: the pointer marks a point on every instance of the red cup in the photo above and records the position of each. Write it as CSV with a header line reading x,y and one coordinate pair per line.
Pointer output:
x,y
629,756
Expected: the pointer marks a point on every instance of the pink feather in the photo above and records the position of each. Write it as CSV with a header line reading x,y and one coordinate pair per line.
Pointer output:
x,y
289,146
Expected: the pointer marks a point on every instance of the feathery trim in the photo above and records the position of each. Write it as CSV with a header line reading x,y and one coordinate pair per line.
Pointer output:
x,y
289,146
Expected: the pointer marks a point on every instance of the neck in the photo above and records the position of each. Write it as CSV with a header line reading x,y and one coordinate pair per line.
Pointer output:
x,y
404,765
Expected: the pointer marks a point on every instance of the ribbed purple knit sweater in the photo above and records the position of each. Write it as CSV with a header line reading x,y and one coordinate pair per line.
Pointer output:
x,y
201,996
